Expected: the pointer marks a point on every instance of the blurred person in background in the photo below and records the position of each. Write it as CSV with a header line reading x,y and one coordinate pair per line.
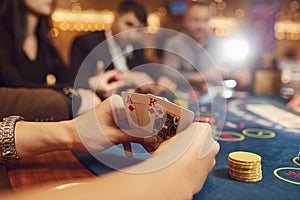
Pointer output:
x,y
198,50
118,53
34,104
28,57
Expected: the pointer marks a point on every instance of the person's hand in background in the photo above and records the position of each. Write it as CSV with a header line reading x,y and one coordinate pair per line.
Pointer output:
x,y
105,82
294,103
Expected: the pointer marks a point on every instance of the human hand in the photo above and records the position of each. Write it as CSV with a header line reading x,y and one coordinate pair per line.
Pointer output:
x,y
294,103
222,71
105,82
216,73
188,156
164,85
139,80
243,78
186,174
99,129
198,159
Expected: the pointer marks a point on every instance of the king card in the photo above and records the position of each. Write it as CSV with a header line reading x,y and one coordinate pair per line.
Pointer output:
x,y
176,118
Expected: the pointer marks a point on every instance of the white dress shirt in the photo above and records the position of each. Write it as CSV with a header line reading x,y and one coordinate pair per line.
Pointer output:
x,y
117,53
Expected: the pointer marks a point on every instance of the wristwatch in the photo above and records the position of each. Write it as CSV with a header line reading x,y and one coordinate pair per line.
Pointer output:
x,y
7,138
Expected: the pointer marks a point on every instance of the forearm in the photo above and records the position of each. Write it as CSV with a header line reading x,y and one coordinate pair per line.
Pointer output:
x,y
147,186
33,138
150,179
115,185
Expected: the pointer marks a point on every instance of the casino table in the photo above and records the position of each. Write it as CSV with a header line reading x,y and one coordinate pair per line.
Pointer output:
x,y
238,129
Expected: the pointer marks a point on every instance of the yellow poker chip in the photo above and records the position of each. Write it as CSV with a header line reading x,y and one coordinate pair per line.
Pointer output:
x,y
235,176
237,166
245,166
245,175
238,169
244,157
243,163
245,171
247,179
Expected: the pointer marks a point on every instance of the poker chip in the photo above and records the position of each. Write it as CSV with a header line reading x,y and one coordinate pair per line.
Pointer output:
x,y
257,179
209,120
244,157
245,166
181,102
242,163
244,171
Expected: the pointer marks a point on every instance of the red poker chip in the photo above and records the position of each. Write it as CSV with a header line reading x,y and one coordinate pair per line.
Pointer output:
x,y
205,119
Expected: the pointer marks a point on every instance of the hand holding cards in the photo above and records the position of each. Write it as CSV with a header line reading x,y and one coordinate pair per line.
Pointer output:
x,y
155,115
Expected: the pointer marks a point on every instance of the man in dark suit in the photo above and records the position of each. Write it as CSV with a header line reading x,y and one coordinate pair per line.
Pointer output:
x,y
107,53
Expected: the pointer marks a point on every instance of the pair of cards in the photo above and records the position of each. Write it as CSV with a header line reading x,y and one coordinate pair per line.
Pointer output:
x,y
155,115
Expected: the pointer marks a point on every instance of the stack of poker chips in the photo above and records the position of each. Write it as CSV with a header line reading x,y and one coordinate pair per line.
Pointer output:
x,y
245,166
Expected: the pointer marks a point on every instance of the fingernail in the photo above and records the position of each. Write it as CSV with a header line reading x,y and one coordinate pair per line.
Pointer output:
x,y
129,154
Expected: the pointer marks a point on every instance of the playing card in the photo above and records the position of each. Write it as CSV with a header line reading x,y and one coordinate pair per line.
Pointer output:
x,y
146,116
156,115
167,118
135,105
130,110
140,104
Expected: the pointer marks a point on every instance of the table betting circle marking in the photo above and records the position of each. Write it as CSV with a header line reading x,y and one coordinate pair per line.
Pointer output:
x,y
288,174
229,136
295,161
258,133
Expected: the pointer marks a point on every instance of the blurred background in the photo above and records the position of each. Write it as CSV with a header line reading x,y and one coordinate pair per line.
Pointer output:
x,y
271,28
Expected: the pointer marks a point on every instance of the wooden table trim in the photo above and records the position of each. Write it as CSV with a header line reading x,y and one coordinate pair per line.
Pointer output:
x,y
59,167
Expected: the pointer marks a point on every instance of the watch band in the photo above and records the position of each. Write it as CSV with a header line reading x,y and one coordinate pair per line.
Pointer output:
x,y
7,138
